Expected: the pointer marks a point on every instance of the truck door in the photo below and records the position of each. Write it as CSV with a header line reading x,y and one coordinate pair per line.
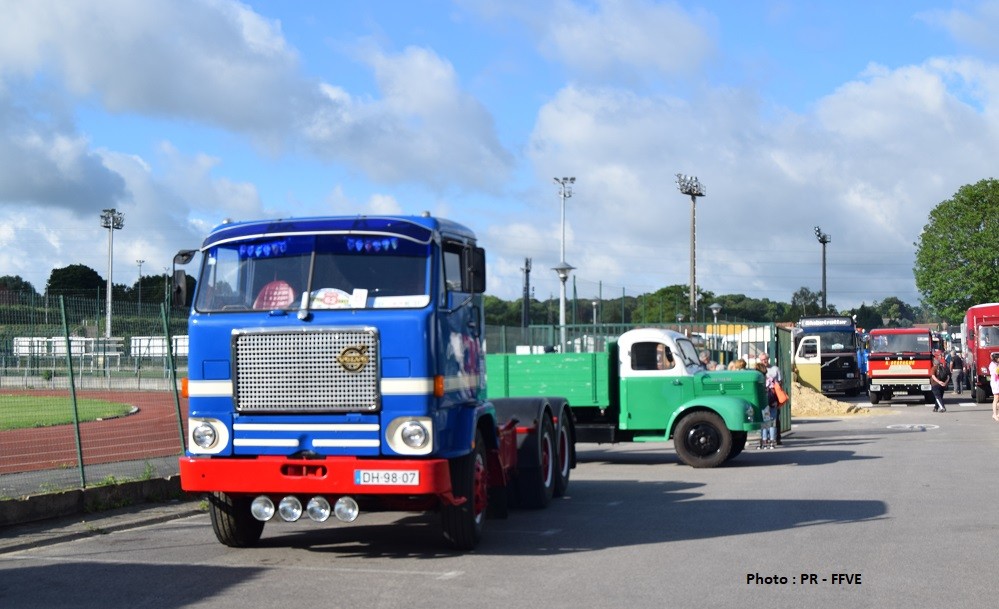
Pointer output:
x,y
808,362
653,382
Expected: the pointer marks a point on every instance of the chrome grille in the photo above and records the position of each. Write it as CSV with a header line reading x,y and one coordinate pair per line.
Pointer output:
x,y
323,370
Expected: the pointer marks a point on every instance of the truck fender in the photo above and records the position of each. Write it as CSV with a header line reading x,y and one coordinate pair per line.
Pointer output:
x,y
528,413
732,410
467,421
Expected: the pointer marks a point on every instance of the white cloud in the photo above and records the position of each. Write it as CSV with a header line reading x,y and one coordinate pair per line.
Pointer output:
x,y
629,38
425,128
868,166
975,27
213,61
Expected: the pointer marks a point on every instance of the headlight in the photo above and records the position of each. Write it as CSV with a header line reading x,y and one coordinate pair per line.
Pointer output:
x,y
411,435
206,436
750,412
414,434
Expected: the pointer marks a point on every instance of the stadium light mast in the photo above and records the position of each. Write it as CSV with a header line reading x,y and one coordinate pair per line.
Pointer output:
x,y
563,268
112,220
824,239
691,186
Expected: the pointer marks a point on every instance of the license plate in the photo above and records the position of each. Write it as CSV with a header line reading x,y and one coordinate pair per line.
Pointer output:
x,y
397,477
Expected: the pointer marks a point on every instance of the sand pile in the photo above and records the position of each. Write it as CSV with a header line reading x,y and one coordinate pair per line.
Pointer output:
x,y
806,402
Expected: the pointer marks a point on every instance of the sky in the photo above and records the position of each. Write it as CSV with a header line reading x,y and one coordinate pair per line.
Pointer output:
x,y
856,117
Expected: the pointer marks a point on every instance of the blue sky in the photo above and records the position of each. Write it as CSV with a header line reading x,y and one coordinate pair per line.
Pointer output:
x,y
859,117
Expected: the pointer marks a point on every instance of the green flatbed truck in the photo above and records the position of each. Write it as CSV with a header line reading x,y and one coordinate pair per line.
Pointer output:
x,y
647,386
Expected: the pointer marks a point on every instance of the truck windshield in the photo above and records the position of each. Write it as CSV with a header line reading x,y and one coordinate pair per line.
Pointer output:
x,y
836,340
321,271
897,343
988,336
688,352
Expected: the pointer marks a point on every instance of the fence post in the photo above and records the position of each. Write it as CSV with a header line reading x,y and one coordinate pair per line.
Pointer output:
x,y
173,376
72,393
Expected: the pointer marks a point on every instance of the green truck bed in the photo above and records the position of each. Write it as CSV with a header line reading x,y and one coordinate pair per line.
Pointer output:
x,y
582,378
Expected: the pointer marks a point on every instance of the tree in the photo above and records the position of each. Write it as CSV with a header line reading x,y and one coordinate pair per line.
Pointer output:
x,y
75,280
804,302
867,317
895,312
15,283
957,262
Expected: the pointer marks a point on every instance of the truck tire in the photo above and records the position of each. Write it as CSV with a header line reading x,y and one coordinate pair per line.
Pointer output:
x,y
739,439
462,524
563,456
536,481
702,440
980,397
874,396
232,522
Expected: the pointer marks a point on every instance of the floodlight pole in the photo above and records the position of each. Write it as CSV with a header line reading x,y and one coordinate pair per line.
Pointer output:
x,y
691,186
112,220
824,239
563,268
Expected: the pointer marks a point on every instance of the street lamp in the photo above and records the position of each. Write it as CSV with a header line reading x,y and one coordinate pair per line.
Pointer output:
x,y
691,186
715,309
564,268
824,239
139,262
594,315
112,220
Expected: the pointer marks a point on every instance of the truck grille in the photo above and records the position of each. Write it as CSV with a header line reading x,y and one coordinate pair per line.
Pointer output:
x,y
319,370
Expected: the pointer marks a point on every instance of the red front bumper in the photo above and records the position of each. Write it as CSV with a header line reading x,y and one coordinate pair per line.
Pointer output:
x,y
329,476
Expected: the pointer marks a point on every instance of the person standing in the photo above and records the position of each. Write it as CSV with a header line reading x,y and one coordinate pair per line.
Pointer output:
x,y
939,380
769,411
957,371
994,382
773,376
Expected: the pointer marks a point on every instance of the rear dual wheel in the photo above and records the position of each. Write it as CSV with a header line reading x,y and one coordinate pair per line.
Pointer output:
x,y
536,481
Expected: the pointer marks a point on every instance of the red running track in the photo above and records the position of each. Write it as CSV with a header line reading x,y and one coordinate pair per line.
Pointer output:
x,y
150,432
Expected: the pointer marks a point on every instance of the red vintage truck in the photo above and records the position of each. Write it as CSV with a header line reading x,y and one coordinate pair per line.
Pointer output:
x,y
981,341
900,363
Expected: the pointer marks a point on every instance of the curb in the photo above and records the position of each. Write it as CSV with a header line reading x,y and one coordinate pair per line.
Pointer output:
x,y
58,517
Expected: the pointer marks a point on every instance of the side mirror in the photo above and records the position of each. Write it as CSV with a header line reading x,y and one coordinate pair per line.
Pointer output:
x,y
179,296
474,266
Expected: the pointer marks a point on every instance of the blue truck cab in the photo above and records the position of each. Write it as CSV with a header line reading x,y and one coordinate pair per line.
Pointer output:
x,y
336,366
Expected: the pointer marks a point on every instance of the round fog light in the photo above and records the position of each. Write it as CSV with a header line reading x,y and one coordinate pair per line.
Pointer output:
x,y
262,508
318,509
290,509
346,509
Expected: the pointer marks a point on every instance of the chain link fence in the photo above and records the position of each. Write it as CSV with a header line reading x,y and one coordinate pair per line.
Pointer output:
x,y
82,405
